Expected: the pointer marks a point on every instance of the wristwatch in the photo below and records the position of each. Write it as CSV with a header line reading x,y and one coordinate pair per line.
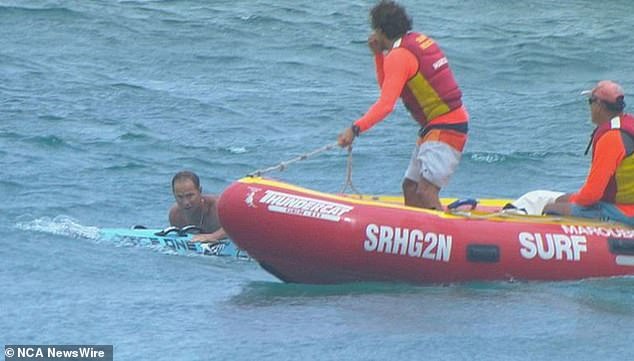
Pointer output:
x,y
355,130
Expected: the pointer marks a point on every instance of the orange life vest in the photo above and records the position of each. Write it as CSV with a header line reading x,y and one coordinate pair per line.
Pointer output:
x,y
620,188
433,91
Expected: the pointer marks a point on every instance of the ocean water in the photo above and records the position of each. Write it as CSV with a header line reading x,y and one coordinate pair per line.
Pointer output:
x,y
102,101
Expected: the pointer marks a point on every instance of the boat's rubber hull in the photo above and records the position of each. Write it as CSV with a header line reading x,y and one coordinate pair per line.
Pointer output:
x,y
304,236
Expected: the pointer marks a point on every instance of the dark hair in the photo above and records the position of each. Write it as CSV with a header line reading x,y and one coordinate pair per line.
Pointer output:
x,y
185,174
617,106
391,19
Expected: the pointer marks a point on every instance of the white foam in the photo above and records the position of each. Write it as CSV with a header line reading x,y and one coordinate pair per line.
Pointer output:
x,y
237,150
60,225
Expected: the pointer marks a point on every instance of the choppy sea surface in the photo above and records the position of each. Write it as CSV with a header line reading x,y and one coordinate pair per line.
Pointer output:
x,y
102,101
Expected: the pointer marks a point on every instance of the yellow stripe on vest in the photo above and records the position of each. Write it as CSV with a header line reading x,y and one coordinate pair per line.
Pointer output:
x,y
426,96
625,181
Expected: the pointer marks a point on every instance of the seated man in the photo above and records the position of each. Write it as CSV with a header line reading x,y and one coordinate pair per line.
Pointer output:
x,y
194,208
608,192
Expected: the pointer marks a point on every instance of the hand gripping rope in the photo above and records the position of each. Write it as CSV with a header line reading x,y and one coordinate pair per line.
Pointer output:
x,y
283,165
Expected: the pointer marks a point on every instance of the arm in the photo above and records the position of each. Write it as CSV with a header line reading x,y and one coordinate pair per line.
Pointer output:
x,y
210,237
399,66
375,47
609,153
565,198
378,65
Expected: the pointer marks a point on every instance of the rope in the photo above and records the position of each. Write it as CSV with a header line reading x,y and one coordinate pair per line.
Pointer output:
x,y
506,213
283,165
348,181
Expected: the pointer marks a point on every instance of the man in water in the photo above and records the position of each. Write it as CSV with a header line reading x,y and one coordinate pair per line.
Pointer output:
x,y
608,192
412,66
194,208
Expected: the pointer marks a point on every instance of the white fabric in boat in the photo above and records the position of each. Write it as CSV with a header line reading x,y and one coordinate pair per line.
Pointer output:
x,y
534,202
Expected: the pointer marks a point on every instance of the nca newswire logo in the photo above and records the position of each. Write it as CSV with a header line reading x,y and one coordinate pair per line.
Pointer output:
x,y
58,352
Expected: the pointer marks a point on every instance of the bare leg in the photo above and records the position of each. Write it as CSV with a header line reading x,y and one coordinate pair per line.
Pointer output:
x,y
562,209
423,194
409,193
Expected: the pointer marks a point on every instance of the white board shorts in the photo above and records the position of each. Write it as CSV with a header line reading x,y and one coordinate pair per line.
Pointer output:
x,y
433,161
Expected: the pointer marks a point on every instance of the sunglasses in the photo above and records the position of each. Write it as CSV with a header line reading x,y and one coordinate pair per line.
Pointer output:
x,y
592,100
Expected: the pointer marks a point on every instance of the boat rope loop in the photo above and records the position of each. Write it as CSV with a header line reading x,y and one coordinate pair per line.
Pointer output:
x,y
348,181
283,165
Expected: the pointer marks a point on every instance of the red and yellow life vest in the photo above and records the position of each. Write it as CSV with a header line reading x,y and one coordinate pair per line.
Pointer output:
x,y
620,188
433,91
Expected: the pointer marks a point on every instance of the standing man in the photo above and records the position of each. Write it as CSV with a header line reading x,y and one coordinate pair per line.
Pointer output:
x,y
412,66
194,208
608,192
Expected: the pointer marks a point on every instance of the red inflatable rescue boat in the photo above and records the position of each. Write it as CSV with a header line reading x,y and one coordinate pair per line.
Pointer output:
x,y
304,236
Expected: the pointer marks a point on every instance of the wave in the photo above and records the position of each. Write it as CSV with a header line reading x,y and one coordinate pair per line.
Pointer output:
x,y
220,58
49,141
255,19
493,157
69,227
7,185
51,117
59,12
132,136
126,166
123,85
236,149
262,293
61,226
